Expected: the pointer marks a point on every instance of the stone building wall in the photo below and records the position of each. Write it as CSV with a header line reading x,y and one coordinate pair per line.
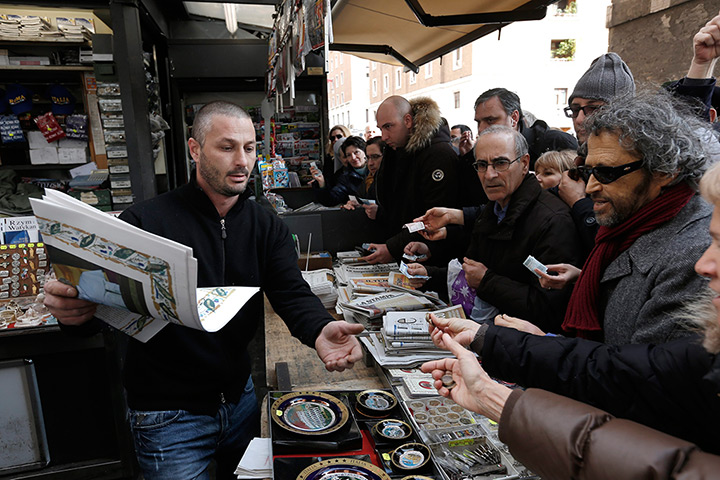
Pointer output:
x,y
654,37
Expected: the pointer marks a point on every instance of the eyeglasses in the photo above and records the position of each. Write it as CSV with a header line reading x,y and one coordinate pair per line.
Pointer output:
x,y
573,110
604,174
336,136
374,156
499,164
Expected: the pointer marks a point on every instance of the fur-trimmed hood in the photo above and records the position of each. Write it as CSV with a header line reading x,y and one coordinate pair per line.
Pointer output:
x,y
426,123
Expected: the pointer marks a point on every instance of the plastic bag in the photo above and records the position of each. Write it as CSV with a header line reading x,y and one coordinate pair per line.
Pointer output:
x,y
459,292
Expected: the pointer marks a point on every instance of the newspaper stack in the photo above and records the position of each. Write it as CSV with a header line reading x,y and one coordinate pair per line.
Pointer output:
x,y
10,26
405,341
352,257
31,26
321,284
345,271
375,306
257,459
74,29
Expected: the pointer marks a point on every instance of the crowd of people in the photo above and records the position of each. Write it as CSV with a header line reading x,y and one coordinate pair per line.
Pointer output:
x,y
616,342
608,341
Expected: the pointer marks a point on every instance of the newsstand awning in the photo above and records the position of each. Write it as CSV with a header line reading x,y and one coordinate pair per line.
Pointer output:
x,y
414,32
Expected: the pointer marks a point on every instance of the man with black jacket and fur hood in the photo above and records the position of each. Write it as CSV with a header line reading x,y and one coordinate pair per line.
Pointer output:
x,y
419,171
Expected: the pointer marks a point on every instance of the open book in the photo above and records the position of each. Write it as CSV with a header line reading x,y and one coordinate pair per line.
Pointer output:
x,y
142,281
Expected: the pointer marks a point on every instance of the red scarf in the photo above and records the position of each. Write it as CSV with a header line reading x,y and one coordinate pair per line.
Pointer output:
x,y
582,312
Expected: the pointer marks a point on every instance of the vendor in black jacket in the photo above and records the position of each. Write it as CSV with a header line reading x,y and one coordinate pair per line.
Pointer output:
x,y
190,394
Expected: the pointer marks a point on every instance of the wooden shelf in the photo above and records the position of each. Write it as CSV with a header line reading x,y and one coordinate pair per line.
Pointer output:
x,y
42,166
48,68
43,41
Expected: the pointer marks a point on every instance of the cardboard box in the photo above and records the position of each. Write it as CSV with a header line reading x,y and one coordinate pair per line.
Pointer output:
x,y
317,261
42,156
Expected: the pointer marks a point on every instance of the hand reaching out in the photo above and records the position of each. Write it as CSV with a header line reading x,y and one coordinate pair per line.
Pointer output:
x,y
381,254
518,324
473,389
461,330
566,274
337,346
417,248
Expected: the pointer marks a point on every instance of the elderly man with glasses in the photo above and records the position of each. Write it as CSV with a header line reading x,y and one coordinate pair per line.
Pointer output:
x,y
520,219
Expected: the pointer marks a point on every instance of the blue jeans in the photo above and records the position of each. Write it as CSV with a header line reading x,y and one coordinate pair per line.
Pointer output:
x,y
176,444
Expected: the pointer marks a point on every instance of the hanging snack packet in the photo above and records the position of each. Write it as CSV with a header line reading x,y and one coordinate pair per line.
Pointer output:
x,y
76,127
10,130
49,127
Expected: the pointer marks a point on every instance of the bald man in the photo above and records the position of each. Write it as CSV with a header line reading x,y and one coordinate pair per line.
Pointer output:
x,y
419,170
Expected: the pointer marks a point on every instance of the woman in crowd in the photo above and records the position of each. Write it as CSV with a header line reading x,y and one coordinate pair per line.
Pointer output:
x,y
332,165
374,150
349,181
550,166
671,387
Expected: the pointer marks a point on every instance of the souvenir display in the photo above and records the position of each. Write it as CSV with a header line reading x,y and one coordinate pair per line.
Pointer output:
x,y
309,413
343,469
375,403
392,430
411,456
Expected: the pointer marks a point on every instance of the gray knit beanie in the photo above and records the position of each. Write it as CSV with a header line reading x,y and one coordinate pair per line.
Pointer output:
x,y
607,77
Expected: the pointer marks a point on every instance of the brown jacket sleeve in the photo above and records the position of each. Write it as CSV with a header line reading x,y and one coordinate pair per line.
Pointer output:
x,y
556,437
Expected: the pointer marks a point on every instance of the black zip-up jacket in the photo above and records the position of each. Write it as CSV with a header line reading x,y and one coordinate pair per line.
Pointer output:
x,y
537,223
183,368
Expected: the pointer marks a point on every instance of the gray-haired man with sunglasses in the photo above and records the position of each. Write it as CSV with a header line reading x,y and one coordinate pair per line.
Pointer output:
x,y
644,160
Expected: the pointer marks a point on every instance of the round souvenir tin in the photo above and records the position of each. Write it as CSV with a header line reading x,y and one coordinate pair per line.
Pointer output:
x,y
309,413
410,456
375,403
392,429
343,469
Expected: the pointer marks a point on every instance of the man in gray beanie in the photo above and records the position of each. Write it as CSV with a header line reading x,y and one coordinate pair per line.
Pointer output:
x,y
607,77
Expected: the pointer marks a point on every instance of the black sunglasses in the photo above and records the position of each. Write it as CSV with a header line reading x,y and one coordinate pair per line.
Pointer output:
x,y
337,136
604,174
573,110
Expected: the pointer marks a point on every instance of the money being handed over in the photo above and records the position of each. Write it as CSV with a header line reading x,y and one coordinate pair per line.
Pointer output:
x,y
531,263
414,227
404,271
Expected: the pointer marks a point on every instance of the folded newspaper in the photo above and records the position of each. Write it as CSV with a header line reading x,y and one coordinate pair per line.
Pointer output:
x,y
142,281
377,305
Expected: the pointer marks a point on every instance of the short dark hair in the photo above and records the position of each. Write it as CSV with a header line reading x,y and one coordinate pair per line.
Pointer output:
x,y
353,141
201,123
461,127
377,141
509,100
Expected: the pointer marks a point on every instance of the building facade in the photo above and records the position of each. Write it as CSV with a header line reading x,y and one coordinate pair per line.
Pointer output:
x,y
655,37
539,60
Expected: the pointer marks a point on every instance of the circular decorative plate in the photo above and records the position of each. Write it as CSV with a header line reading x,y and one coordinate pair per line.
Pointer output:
x,y
416,477
343,469
375,402
410,456
309,413
392,429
